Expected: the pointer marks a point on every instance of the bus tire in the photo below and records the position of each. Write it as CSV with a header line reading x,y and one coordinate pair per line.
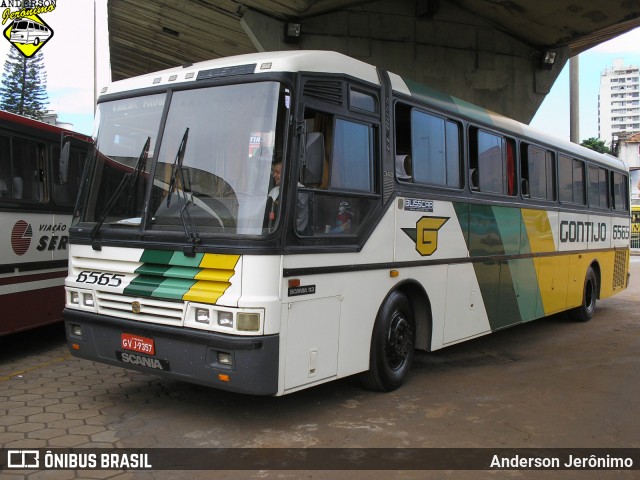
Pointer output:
x,y
36,42
392,345
585,311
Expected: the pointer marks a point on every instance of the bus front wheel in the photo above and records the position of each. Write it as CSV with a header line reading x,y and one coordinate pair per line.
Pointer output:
x,y
392,345
585,311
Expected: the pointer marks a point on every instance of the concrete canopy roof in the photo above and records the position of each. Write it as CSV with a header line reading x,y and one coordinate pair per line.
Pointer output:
x,y
146,36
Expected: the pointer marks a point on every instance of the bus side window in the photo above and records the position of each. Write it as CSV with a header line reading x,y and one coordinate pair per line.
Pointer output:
x,y
427,148
6,184
538,172
619,184
28,170
339,203
571,180
598,194
66,175
492,160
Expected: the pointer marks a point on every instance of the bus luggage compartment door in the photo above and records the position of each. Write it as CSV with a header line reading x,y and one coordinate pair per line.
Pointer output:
x,y
312,333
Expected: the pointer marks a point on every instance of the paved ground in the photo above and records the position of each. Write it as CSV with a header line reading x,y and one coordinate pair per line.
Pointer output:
x,y
550,383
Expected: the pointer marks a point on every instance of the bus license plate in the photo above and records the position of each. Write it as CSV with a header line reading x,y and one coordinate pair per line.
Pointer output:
x,y
136,343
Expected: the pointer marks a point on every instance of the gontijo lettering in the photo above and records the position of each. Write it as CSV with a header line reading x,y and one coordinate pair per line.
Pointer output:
x,y
574,231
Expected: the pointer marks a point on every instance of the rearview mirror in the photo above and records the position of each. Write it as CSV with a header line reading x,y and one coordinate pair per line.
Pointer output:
x,y
313,159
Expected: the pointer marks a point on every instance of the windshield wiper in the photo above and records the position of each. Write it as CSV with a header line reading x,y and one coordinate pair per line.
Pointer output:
x,y
128,181
177,165
177,172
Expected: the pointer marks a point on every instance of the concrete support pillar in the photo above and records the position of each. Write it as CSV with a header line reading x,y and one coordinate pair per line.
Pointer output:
x,y
574,99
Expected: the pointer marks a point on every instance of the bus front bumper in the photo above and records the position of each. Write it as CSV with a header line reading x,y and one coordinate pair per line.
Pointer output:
x,y
249,364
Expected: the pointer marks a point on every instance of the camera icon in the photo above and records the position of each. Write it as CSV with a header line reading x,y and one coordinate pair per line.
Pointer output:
x,y
23,459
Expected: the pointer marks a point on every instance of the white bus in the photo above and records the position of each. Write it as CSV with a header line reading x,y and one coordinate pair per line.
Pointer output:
x,y
270,222
37,195
25,30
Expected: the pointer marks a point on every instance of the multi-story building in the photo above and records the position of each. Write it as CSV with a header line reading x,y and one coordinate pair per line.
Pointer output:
x,y
619,101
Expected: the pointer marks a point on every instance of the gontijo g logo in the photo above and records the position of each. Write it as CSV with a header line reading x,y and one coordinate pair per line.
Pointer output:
x,y
27,31
426,234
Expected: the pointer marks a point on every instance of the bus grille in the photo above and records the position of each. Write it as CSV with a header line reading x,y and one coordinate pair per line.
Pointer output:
x,y
151,310
619,269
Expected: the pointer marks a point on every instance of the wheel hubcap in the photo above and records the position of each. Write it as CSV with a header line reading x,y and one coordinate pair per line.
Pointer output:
x,y
399,341
589,296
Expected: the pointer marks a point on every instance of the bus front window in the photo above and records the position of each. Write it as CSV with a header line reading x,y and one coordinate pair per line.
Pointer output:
x,y
211,168
114,193
221,179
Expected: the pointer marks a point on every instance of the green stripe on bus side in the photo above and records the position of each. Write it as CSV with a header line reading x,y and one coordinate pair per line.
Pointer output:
x,y
509,223
160,257
445,102
485,238
182,272
152,269
164,274
143,285
509,288
173,288
181,260
523,274
164,257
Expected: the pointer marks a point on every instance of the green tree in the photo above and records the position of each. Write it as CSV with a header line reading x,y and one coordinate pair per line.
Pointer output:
x,y
596,144
24,85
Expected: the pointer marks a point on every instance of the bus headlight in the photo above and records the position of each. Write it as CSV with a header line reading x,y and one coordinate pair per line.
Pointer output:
x,y
248,322
202,315
222,319
74,298
87,300
225,319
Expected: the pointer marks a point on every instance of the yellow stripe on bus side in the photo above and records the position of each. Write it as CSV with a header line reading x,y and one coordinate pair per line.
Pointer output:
x,y
213,278
218,261
539,231
206,292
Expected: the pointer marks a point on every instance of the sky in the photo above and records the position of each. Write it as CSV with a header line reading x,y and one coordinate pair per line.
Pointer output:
x,y
70,74
553,114
68,58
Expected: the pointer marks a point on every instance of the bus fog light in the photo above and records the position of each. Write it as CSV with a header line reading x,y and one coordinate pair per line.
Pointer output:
x,y
248,322
225,359
202,315
87,300
76,331
225,319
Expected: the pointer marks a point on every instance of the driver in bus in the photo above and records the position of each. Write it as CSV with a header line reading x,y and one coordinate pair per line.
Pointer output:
x,y
302,207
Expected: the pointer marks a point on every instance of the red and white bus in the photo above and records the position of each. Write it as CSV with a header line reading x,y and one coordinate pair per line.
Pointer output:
x,y
38,188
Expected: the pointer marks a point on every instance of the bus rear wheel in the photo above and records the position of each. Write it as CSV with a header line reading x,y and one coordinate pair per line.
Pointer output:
x,y
585,311
392,345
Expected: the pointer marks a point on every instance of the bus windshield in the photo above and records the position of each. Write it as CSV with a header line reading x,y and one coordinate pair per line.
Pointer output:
x,y
211,168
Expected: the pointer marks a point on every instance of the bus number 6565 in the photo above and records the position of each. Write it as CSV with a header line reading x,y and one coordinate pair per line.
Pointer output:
x,y
104,279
